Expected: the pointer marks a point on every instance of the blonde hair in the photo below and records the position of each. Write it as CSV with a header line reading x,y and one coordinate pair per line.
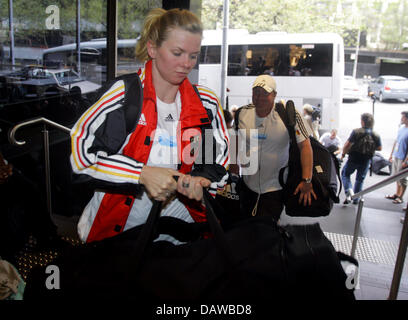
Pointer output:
x,y
159,22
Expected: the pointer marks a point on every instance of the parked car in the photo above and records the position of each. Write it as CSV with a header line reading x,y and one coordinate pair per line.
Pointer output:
x,y
389,87
351,89
37,82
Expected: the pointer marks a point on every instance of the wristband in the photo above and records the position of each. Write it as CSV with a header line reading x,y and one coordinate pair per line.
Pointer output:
x,y
307,180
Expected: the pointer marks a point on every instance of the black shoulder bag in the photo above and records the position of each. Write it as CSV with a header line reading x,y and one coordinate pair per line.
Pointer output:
x,y
326,172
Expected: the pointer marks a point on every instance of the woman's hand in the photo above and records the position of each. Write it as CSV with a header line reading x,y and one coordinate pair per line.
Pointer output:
x,y
192,187
306,193
159,182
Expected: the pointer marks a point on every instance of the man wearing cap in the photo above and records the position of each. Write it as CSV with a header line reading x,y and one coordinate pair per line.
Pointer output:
x,y
308,116
261,193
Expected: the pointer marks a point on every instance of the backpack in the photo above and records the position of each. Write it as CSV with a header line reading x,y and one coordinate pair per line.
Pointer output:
x,y
316,114
133,98
378,163
365,143
326,172
133,101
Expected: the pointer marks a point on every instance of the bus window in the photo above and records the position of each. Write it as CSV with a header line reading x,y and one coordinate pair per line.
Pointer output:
x,y
280,60
210,54
237,61
309,68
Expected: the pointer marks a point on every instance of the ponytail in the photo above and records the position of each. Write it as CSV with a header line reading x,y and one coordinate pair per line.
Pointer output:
x,y
157,25
149,32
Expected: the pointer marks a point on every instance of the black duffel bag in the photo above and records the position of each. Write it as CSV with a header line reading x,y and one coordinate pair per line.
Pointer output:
x,y
326,179
254,261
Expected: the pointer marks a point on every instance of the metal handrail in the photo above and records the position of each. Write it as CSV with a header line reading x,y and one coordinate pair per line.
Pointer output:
x,y
383,183
402,249
46,145
12,133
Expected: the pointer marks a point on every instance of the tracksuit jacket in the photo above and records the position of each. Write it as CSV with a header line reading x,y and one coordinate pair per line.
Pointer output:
x,y
101,149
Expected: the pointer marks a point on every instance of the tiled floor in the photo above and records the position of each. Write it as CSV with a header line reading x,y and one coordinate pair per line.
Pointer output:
x,y
380,233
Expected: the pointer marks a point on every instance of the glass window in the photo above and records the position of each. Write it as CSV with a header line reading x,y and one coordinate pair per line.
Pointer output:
x,y
210,54
37,68
45,38
281,60
130,16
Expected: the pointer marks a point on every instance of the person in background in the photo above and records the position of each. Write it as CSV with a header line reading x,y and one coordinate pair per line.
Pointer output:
x,y
313,124
141,167
261,192
331,141
399,160
358,160
234,109
228,119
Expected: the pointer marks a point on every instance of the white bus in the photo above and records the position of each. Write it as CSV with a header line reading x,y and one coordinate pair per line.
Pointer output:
x,y
94,50
93,58
308,68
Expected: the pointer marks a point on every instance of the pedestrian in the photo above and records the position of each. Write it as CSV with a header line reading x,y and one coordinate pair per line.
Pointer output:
x,y
331,141
313,124
399,158
141,167
261,192
360,147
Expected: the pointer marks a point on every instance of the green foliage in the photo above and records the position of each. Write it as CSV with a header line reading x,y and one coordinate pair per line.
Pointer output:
x,y
373,17
266,15
384,21
30,17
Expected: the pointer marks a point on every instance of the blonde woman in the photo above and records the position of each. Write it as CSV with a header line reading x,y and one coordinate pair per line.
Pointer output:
x,y
175,119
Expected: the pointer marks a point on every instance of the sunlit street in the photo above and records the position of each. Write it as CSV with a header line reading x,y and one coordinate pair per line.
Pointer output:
x,y
387,119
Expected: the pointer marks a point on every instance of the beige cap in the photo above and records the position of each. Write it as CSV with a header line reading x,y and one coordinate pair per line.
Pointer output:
x,y
265,81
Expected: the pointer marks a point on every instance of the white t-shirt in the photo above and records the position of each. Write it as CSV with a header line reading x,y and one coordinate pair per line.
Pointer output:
x,y
164,148
163,154
327,142
271,142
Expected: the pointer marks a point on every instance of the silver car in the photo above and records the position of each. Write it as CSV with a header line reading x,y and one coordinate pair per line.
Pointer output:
x,y
389,87
351,89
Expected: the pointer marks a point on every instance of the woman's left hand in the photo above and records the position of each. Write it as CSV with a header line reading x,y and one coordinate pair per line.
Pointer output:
x,y
192,187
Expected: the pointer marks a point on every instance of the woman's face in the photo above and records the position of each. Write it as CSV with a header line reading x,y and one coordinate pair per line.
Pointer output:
x,y
176,56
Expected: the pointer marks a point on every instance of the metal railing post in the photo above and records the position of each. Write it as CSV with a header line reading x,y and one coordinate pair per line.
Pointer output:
x,y
402,248
46,144
399,264
357,227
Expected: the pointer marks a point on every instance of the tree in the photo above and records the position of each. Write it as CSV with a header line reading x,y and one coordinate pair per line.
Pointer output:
x,y
266,15
30,17
384,22
395,23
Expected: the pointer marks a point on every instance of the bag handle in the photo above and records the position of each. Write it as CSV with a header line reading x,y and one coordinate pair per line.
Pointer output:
x,y
148,230
288,115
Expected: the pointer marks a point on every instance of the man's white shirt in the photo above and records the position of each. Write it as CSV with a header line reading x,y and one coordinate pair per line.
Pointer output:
x,y
271,142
